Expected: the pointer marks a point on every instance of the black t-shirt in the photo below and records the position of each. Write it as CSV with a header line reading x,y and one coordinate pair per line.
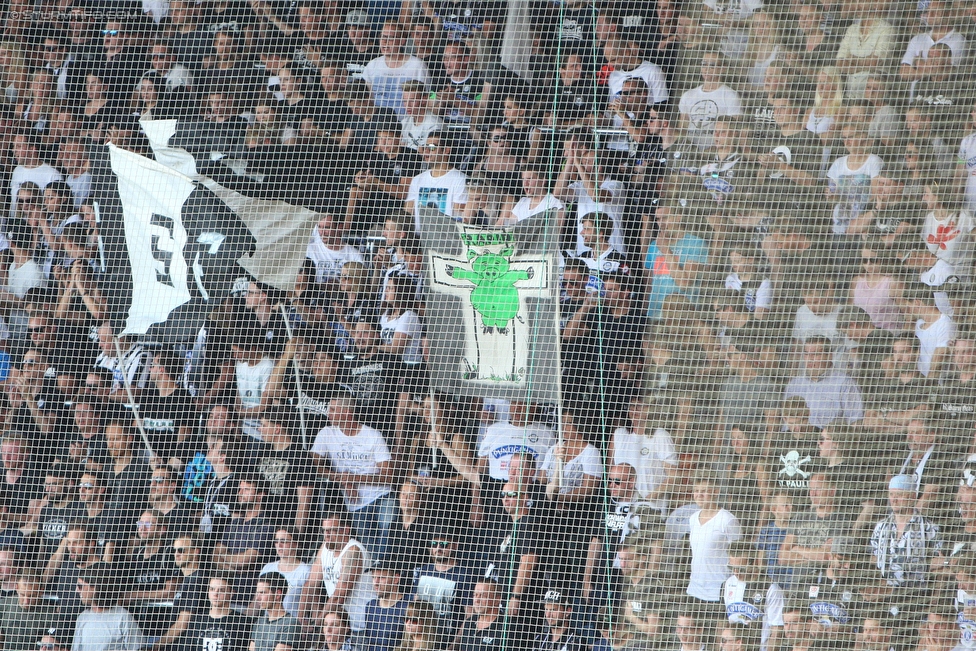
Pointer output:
x,y
513,541
492,638
369,380
284,472
332,117
191,596
292,115
151,574
467,93
791,461
53,524
954,406
461,19
577,100
230,633
129,490
235,17
836,605
355,60
190,48
163,416
17,496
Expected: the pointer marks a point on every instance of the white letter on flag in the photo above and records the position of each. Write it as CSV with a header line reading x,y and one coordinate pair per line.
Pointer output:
x,y
152,197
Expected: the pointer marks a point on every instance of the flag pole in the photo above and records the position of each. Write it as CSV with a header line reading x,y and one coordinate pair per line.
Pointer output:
x,y
132,400
559,377
298,379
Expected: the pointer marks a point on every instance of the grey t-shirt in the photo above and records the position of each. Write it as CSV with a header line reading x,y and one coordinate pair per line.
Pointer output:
x,y
267,634
113,629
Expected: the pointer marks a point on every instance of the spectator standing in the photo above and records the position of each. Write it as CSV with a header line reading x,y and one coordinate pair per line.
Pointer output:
x,y
275,628
104,626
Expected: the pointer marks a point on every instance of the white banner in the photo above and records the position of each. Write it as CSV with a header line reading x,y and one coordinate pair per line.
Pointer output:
x,y
152,197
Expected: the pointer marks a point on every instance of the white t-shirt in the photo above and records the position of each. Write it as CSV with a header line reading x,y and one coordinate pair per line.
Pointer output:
x,y
42,175
710,553
806,324
251,381
938,335
951,240
587,462
415,134
614,209
296,580
502,440
440,192
702,107
764,293
852,189
967,157
657,83
362,592
387,83
650,456
24,278
523,210
409,324
328,262
740,10
920,45
360,454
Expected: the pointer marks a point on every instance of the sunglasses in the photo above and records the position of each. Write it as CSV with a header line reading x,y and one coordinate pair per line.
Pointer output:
x,y
181,550
158,480
86,486
110,32
440,543
499,138
144,525
510,493
616,482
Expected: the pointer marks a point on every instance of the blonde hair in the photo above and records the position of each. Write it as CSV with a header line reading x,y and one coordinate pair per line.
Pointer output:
x,y
829,105
425,612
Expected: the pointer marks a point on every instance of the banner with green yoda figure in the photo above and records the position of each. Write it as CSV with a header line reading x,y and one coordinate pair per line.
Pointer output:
x,y
491,309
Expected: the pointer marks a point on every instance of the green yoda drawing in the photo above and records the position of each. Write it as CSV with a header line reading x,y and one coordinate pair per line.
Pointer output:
x,y
494,296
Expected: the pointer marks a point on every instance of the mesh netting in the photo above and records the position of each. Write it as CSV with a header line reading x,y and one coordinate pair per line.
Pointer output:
x,y
483,325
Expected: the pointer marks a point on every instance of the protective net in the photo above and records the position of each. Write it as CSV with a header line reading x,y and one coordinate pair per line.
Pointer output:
x,y
487,325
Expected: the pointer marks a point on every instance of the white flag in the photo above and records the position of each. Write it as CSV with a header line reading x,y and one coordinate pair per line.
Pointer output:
x,y
152,197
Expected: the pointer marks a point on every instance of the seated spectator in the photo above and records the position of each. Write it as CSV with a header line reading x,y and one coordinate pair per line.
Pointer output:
x,y
340,570
419,628
385,613
382,186
904,544
559,629
290,565
829,393
419,118
219,622
482,629
699,107
387,73
739,596
275,628
442,187
245,546
29,167
938,16
866,47
105,625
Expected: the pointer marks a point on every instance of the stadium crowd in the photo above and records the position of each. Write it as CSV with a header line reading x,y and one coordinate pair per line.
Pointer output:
x,y
767,432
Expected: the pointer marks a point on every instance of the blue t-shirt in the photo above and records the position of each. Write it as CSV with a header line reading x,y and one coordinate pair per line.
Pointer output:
x,y
689,248
770,540
384,626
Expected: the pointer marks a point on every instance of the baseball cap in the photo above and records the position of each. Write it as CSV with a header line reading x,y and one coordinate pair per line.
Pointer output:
x,y
902,483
